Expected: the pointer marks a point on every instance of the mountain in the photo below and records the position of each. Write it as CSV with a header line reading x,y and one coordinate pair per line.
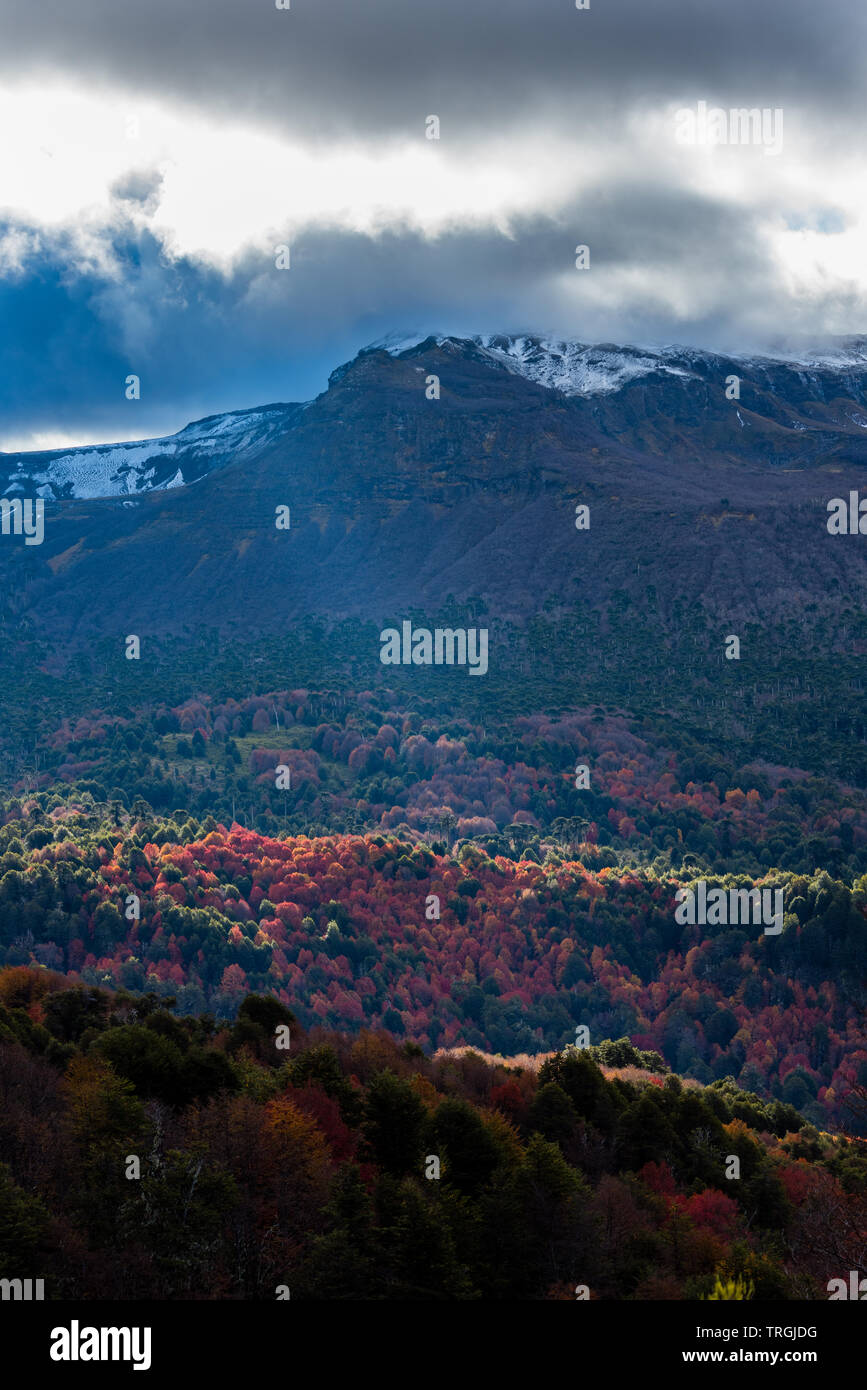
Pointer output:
x,y
144,465
586,369
399,501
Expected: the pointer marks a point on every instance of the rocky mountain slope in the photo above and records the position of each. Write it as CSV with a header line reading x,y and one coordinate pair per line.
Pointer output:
x,y
399,501
145,465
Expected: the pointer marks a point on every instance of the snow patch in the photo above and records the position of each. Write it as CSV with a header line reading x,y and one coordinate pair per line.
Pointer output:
x,y
588,369
130,468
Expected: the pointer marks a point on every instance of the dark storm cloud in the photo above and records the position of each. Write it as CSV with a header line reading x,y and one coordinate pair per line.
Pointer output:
x,y
203,341
671,260
330,67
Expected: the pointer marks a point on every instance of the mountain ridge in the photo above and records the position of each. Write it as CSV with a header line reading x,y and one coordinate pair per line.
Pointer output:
x,y
130,468
398,501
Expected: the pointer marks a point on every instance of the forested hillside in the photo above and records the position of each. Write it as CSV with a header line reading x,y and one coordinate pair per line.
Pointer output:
x,y
504,952
409,861
148,1156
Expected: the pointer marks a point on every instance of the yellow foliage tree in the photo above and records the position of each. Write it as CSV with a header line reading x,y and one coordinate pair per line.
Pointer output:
x,y
730,1289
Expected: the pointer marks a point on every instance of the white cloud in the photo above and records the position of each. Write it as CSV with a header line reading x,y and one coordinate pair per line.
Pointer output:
x,y
226,187
222,187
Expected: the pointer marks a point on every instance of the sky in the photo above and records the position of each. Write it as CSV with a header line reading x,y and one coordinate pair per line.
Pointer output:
x,y
155,157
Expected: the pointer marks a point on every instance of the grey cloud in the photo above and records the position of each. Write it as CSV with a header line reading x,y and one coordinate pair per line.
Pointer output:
x,y
203,342
338,67
207,341
141,186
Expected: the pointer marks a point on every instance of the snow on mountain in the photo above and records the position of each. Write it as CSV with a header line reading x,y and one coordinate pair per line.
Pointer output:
x,y
586,369
840,355
137,467
148,465
576,369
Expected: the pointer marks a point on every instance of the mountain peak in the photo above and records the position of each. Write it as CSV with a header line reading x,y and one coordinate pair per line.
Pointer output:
x,y
577,368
